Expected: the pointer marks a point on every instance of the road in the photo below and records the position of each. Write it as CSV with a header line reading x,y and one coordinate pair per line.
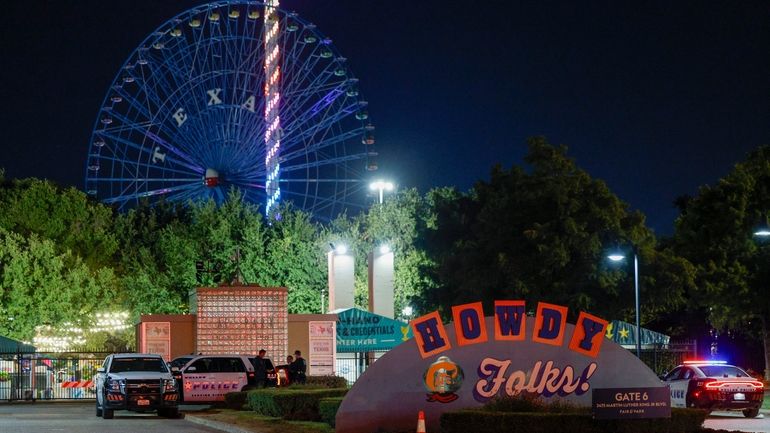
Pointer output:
x,y
81,417
736,421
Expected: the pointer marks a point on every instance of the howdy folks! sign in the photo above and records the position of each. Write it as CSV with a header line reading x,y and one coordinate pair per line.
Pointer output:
x,y
476,358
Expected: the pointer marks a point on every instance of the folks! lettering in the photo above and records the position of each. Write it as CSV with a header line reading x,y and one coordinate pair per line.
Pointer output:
x,y
545,379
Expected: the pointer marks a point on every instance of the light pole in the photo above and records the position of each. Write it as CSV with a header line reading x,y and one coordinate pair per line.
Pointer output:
x,y
763,235
381,186
617,257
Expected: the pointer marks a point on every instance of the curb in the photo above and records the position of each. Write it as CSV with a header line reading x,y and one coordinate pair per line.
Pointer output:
x,y
229,428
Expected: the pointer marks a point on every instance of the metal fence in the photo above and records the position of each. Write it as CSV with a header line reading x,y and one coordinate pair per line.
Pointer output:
x,y
352,365
662,358
41,376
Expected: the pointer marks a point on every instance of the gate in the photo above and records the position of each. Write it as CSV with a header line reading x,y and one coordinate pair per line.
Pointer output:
x,y
662,358
42,376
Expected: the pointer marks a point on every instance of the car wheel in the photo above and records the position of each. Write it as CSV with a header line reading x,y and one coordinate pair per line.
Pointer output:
x,y
751,413
108,413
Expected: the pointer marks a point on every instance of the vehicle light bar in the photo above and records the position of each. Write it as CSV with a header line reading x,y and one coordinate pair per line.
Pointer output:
x,y
707,361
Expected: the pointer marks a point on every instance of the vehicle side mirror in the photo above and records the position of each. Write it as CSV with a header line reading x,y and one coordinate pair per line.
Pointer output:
x,y
191,369
100,370
662,377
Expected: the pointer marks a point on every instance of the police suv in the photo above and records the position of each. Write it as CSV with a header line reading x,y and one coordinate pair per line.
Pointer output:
x,y
207,378
715,385
138,382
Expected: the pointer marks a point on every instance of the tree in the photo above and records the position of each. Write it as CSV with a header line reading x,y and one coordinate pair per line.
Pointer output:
x,y
714,232
65,216
542,235
40,286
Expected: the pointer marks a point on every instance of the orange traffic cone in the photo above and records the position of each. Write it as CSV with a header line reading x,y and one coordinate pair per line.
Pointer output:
x,y
421,422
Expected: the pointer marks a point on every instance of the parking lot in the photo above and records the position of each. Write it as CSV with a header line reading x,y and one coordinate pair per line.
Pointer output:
x,y
80,417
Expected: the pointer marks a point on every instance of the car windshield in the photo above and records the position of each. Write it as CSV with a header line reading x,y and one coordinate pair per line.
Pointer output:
x,y
722,371
181,361
120,365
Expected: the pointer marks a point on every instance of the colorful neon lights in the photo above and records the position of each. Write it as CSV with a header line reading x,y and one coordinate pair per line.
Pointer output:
x,y
272,118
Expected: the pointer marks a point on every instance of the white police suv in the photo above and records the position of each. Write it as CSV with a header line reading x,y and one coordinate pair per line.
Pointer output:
x,y
139,382
715,385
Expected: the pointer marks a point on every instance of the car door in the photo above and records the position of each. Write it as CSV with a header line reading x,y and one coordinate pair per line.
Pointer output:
x,y
101,376
231,376
678,381
197,379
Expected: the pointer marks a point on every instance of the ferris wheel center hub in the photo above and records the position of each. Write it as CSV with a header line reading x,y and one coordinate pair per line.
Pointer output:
x,y
212,177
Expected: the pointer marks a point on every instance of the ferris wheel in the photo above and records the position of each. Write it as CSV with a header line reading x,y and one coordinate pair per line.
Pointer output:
x,y
234,94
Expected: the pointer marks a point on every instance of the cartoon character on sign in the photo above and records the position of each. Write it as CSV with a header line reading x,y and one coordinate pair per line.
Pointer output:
x,y
443,379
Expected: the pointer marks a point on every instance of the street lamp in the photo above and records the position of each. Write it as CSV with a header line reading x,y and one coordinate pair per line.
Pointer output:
x,y
381,186
407,312
617,257
762,233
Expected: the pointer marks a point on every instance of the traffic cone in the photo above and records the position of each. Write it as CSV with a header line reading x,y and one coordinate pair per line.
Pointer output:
x,y
421,422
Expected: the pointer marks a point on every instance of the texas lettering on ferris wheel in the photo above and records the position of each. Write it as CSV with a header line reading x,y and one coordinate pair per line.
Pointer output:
x,y
497,376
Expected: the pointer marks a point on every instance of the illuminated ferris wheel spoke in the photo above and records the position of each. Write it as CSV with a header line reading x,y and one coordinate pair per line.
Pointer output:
x,y
327,161
299,151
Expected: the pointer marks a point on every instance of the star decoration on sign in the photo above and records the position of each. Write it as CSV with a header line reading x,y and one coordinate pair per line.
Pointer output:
x,y
623,333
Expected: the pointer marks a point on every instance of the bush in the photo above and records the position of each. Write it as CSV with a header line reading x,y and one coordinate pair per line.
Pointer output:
x,y
327,409
236,400
291,403
485,421
327,381
524,403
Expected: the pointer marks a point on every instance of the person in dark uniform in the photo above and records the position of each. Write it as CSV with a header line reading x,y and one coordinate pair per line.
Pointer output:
x,y
260,370
299,367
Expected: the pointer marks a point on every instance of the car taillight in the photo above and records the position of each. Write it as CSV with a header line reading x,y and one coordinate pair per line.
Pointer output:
x,y
715,385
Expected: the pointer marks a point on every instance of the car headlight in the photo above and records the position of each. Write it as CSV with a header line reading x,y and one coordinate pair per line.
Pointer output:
x,y
115,384
169,385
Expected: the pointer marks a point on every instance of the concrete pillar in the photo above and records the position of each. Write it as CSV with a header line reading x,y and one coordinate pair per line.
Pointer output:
x,y
341,280
381,283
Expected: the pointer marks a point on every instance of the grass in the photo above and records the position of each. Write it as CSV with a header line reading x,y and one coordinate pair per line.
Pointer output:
x,y
251,421
766,402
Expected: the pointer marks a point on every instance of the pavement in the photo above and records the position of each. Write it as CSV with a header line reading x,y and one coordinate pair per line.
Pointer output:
x,y
229,428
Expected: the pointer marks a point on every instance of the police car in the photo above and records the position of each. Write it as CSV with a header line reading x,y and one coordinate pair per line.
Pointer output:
x,y
714,385
207,378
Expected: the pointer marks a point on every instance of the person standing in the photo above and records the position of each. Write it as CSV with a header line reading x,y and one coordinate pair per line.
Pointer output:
x,y
299,367
260,370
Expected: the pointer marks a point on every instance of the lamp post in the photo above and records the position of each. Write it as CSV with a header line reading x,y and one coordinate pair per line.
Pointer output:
x,y
763,235
617,257
381,186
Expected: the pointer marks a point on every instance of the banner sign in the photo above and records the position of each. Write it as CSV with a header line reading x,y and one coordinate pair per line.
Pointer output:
x,y
362,331
475,358
623,403
624,334
322,349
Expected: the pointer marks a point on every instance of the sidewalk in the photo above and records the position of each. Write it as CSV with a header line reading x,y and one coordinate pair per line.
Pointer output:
x,y
229,428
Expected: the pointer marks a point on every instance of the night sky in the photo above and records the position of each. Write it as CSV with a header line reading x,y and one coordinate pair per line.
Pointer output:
x,y
655,98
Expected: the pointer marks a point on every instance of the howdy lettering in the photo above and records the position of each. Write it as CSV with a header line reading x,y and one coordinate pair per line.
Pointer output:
x,y
545,380
510,325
